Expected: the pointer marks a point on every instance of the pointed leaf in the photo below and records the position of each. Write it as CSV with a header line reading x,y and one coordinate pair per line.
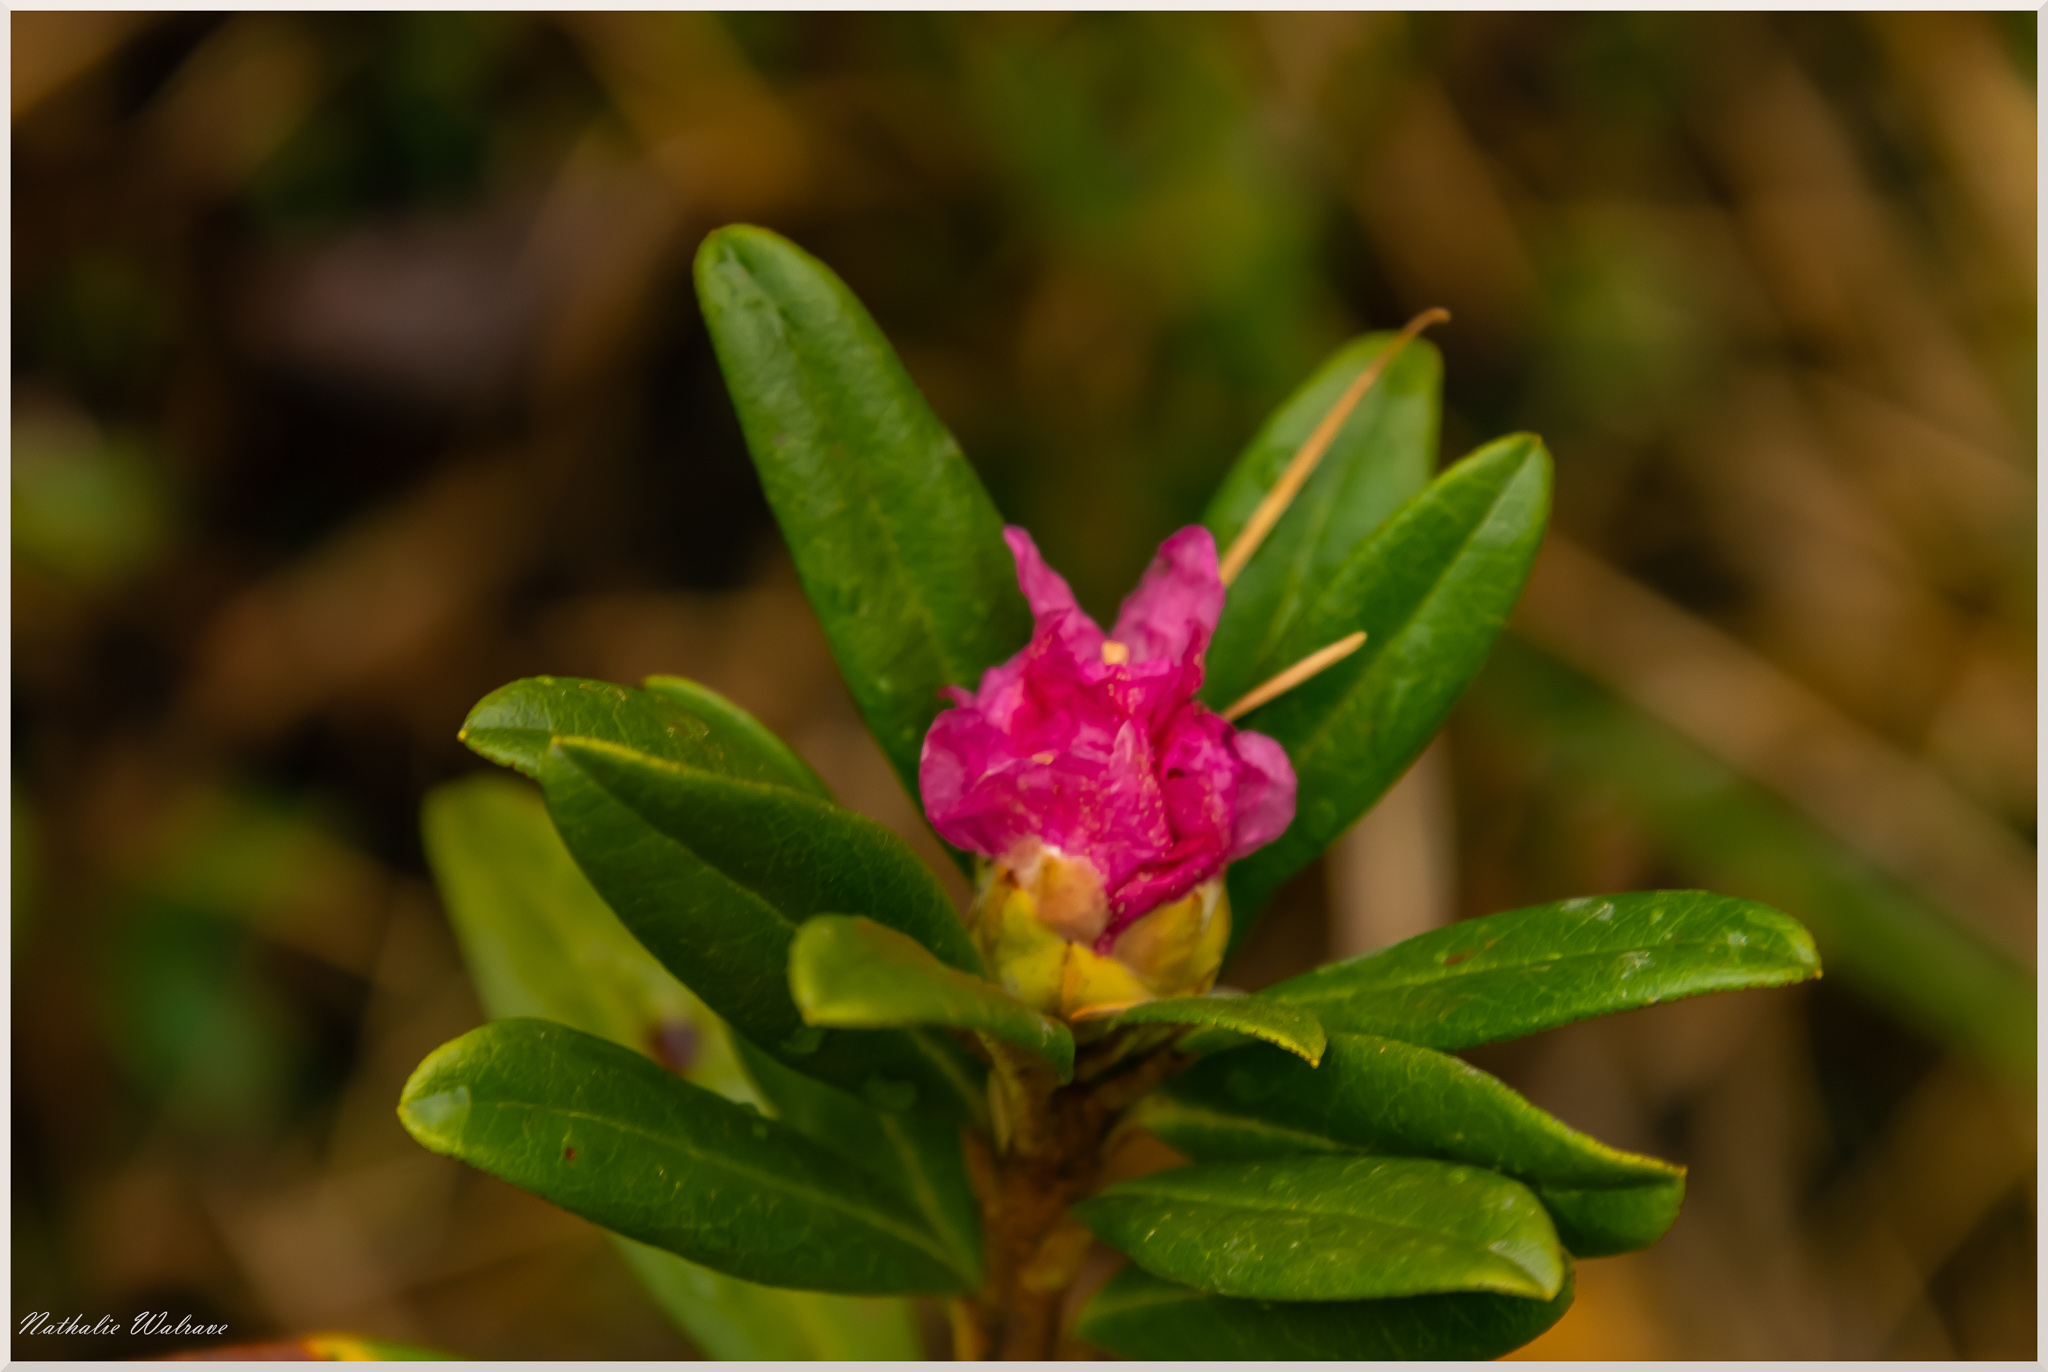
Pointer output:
x,y
1374,1095
853,973
918,1157
1138,1315
1332,1229
538,941
1381,457
608,1135
1286,1025
1430,589
899,547
679,722
713,876
1522,971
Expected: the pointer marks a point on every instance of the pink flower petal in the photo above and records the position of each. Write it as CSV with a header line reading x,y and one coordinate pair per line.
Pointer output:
x,y
1174,610
1052,602
1264,802
1113,763
1044,589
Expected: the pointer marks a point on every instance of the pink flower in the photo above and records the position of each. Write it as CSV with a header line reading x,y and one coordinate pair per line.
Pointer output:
x,y
1095,749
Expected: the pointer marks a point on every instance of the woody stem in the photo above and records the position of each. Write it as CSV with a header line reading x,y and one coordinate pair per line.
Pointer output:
x,y
1050,1158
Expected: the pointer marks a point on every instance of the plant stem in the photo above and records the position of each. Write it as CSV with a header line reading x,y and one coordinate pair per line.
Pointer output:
x,y
1048,1156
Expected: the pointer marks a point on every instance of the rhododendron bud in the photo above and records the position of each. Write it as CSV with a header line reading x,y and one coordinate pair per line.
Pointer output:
x,y
1105,797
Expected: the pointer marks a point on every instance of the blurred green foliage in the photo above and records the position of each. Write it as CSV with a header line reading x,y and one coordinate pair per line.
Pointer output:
x,y
87,510
419,118
203,1034
1130,153
1734,837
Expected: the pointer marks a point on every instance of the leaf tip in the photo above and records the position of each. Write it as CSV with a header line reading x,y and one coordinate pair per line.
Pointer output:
x,y
718,244
1062,1052
432,1108
736,247
1538,1270
1804,950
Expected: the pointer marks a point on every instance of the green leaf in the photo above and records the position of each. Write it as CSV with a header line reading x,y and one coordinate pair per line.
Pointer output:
x,y
737,1321
1515,973
1332,1229
918,1157
713,877
765,756
676,720
1289,1026
1375,1095
1137,1315
1225,1133
1382,456
1431,589
539,941
608,1135
800,854
899,548
853,973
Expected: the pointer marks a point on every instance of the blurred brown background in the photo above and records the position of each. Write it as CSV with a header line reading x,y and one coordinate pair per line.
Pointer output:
x,y
357,371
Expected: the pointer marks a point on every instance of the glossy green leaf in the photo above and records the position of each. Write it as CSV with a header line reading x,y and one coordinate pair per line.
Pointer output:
x,y
608,1135
919,1157
738,1321
1382,456
1521,971
1376,1095
1225,1133
713,877
800,854
740,734
677,721
852,973
1332,1229
899,548
538,941
1431,589
1138,1315
1289,1026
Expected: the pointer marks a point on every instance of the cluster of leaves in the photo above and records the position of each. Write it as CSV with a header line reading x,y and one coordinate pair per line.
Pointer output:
x,y
790,1134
